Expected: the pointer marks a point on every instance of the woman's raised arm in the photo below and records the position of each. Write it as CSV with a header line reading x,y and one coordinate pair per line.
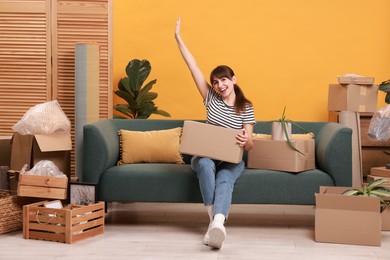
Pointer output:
x,y
197,74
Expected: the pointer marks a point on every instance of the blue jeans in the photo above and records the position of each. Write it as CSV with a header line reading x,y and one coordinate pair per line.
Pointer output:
x,y
216,181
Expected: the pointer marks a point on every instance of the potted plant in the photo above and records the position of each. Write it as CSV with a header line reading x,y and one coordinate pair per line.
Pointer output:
x,y
139,98
281,130
385,87
372,189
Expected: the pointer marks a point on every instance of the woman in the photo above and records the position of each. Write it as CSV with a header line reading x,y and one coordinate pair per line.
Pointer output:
x,y
226,106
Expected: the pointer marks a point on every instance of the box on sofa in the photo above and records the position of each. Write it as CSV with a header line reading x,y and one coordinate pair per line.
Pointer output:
x,y
278,155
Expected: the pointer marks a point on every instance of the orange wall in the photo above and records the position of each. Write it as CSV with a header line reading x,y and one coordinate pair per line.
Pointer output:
x,y
284,53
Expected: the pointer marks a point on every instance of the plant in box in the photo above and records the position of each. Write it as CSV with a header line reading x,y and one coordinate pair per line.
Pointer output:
x,y
281,130
372,189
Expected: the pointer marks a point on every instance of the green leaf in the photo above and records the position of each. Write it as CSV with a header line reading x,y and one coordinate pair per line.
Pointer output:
x,y
387,98
162,113
146,98
115,116
127,97
380,192
384,86
125,109
375,183
352,192
137,71
147,87
124,85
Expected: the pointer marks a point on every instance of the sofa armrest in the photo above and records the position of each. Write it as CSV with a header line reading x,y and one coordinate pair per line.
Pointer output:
x,y
100,149
334,153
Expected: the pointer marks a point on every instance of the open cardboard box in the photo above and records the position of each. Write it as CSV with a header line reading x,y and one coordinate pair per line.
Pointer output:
x,y
210,141
30,149
347,219
278,155
351,97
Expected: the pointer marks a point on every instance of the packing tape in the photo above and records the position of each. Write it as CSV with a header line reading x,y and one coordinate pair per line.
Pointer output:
x,y
363,91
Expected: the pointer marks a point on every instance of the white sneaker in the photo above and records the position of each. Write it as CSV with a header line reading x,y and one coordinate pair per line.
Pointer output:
x,y
217,232
206,238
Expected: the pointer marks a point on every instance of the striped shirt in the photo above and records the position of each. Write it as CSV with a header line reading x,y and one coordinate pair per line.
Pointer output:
x,y
221,114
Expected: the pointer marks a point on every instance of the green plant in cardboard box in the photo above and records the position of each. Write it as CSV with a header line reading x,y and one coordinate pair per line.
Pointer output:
x,y
281,130
372,189
139,98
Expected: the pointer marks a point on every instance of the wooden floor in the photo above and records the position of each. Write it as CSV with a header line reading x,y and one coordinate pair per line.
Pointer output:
x,y
175,231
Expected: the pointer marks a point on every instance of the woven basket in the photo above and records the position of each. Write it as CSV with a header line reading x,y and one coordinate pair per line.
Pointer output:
x,y
11,212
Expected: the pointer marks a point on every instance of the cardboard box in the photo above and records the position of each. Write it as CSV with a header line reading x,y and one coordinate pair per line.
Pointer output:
x,y
386,219
358,98
30,149
210,141
356,80
5,150
42,186
278,155
67,225
347,219
380,172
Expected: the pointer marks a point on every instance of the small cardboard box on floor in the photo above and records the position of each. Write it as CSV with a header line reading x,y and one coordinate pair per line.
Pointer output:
x,y
351,97
347,219
210,141
278,155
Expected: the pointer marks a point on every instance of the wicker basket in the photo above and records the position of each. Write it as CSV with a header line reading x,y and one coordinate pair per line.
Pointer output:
x,y
11,211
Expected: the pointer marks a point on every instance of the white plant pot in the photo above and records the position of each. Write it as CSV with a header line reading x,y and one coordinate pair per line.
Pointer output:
x,y
277,132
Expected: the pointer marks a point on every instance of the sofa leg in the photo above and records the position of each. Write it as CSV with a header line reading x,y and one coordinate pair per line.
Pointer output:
x,y
105,207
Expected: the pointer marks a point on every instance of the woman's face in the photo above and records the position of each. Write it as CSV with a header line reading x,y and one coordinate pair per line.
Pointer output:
x,y
224,86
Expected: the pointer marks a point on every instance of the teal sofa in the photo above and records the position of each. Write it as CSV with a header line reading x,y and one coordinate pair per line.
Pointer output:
x,y
156,182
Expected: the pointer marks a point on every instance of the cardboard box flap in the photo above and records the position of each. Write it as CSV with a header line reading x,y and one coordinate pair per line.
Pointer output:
x,y
343,202
54,142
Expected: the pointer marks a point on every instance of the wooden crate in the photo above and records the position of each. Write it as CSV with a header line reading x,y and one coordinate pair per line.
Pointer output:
x,y
67,225
42,186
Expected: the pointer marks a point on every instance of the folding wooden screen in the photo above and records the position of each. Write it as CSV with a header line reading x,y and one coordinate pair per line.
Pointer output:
x,y
37,42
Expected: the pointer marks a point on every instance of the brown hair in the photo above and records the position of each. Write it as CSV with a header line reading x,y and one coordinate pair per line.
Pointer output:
x,y
224,71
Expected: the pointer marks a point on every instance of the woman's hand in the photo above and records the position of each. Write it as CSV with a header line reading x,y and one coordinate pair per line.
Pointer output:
x,y
242,138
178,24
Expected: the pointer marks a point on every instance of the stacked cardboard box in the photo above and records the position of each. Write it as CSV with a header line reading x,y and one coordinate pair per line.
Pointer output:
x,y
358,94
346,100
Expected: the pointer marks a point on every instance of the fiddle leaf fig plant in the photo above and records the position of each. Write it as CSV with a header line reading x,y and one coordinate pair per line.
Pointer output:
x,y
372,189
138,97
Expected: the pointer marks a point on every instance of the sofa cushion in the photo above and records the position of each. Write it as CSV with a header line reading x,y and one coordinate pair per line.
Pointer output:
x,y
158,146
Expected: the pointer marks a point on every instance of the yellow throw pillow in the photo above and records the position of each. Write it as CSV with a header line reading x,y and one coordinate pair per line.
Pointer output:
x,y
159,146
